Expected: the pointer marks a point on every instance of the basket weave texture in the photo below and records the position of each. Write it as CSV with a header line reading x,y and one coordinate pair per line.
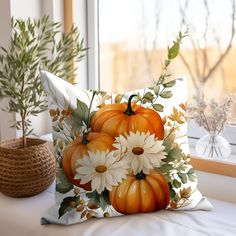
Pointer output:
x,y
26,171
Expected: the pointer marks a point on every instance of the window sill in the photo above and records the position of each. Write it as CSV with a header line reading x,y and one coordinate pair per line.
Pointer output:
x,y
226,168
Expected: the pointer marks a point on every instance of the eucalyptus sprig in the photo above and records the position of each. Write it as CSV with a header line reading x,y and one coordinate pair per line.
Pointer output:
x,y
162,87
35,45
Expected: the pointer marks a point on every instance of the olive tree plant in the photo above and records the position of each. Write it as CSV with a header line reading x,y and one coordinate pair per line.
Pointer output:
x,y
35,45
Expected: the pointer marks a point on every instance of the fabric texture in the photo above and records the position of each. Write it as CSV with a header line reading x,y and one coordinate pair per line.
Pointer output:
x,y
21,216
118,154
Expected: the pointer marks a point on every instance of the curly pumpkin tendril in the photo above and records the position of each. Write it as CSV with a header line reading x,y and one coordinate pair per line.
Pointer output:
x,y
129,110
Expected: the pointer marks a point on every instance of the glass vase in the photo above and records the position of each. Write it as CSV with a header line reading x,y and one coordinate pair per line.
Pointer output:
x,y
213,146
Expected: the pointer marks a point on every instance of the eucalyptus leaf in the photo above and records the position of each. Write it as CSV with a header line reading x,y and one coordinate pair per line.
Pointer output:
x,y
183,177
158,107
166,94
176,183
175,153
170,84
173,51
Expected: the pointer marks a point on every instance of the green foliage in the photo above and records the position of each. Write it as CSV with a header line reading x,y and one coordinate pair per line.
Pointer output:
x,y
64,184
68,204
150,97
100,200
35,45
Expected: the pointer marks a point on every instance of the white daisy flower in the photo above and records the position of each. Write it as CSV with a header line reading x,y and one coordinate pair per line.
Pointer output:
x,y
143,151
102,169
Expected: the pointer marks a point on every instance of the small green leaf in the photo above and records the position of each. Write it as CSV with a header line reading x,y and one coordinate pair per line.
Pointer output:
x,y
158,107
166,94
65,206
165,168
173,51
192,177
172,191
190,171
168,145
101,200
175,153
183,177
176,183
170,84
157,89
168,159
148,97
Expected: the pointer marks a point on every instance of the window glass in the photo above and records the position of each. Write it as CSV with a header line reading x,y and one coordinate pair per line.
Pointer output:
x,y
133,39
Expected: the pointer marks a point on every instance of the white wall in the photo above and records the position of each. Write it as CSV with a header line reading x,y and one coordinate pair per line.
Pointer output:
x,y
5,31
217,186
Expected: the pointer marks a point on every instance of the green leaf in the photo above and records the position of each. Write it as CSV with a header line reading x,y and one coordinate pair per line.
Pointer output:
x,y
100,200
148,97
176,183
173,51
158,107
166,94
191,171
168,145
192,177
64,184
65,206
82,107
172,191
168,159
165,168
183,177
170,84
156,89
175,153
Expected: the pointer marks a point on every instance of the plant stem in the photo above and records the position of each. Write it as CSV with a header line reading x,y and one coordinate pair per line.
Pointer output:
x,y
24,128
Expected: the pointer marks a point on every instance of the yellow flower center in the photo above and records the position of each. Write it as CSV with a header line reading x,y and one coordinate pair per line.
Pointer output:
x,y
137,150
101,168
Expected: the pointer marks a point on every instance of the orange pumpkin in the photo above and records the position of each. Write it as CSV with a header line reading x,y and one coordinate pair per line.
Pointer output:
x,y
141,193
80,147
116,119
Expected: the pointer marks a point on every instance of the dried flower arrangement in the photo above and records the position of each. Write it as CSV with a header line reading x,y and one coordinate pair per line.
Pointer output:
x,y
212,116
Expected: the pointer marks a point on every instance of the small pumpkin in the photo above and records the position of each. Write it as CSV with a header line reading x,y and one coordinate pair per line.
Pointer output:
x,y
117,119
80,147
141,193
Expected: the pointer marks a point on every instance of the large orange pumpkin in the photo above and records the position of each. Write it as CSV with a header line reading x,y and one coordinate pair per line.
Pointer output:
x,y
80,147
116,119
141,193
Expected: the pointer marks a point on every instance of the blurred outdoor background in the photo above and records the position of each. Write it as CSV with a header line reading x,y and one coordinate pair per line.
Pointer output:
x,y
134,35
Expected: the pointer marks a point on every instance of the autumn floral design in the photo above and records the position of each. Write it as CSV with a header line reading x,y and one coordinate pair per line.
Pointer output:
x,y
120,153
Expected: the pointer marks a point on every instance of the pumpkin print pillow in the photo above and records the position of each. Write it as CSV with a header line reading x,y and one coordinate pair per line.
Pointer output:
x,y
118,153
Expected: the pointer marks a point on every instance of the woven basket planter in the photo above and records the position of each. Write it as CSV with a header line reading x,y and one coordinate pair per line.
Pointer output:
x,y
26,171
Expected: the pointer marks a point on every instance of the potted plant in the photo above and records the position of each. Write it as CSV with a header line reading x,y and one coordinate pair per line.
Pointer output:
x,y
27,166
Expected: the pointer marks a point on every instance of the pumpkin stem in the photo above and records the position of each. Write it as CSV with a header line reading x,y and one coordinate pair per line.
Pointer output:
x,y
129,110
140,175
84,138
